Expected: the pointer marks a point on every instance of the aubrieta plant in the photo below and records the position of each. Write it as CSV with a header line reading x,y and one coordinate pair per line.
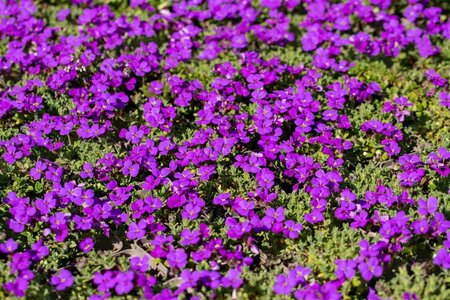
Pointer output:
x,y
222,149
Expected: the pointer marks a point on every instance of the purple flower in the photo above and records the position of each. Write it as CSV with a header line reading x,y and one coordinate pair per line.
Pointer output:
x,y
292,229
124,282
273,216
425,46
442,258
134,135
373,125
205,172
370,268
392,148
314,217
62,14
232,279
243,207
360,220
410,178
62,280
191,211
222,199
445,99
137,231
420,226
177,258
299,274
54,174
265,178
428,207
141,264
283,285
9,246
105,281
345,269
130,169
435,78
87,244
190,237
38,170
40,249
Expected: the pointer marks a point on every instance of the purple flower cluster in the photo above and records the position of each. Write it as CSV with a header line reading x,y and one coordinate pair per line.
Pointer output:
x,y
398,107
395,233
276,127
391,134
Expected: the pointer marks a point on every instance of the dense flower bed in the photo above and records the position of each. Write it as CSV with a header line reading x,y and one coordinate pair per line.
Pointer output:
x,y
224,149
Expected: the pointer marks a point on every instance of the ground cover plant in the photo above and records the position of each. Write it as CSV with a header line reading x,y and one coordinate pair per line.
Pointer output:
x,y
223,149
